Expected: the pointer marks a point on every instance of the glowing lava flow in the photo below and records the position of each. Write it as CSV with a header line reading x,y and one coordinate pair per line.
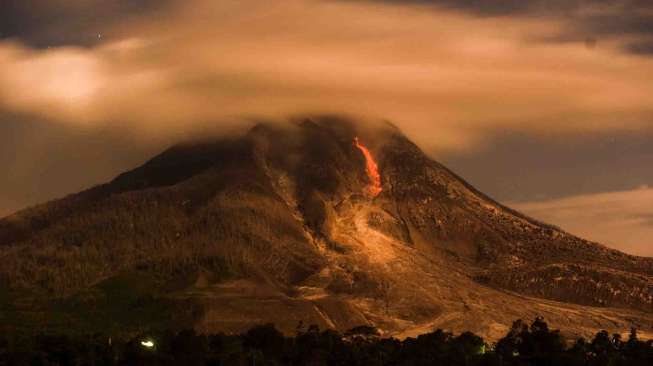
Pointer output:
x,y
372,170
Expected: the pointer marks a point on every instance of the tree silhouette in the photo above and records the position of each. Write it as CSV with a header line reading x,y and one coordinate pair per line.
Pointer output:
x,y
524,345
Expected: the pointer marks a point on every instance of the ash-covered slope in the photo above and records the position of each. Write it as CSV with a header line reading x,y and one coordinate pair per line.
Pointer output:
x,y
284,224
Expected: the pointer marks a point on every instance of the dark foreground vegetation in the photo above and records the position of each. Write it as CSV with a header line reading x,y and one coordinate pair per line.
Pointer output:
x,y
265,345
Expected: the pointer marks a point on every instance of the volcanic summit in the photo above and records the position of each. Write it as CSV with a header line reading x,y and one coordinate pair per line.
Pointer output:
x,y
324,221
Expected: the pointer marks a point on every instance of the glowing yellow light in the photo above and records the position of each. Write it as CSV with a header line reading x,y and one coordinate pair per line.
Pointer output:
x,y
148,344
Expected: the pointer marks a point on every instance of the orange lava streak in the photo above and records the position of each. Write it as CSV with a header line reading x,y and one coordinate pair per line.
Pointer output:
x,y
372,170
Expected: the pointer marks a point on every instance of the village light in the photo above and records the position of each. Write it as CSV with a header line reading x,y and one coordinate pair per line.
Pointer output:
x,y
147,343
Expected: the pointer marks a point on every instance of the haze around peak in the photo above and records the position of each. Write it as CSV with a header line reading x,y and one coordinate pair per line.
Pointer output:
x,y
121,82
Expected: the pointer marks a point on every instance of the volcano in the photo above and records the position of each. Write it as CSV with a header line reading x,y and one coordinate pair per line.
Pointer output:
x,y
322,221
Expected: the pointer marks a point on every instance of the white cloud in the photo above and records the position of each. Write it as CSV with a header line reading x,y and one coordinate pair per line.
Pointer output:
x,y
62,82
445,78
622,220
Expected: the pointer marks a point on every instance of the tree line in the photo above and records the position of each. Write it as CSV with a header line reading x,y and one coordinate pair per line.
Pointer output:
x,y
525,344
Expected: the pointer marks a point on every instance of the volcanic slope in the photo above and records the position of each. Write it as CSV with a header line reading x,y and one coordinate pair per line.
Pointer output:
x,y
285,224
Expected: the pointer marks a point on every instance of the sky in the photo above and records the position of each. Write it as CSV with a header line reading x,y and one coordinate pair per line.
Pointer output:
x,y
546,105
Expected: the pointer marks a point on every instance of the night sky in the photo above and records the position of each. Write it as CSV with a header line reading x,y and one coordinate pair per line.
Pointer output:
x,y
544,105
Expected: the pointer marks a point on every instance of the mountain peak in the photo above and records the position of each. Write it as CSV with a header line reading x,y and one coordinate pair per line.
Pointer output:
x,y
324,220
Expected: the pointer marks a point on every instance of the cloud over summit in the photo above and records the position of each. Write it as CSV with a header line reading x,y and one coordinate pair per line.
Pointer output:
x,y
440,70
452,74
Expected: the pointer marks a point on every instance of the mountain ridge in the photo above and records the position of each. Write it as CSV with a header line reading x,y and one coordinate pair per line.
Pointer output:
x,y
278,218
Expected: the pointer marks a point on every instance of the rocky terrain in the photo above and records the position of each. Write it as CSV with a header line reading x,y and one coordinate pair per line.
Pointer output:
x,y
281,225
